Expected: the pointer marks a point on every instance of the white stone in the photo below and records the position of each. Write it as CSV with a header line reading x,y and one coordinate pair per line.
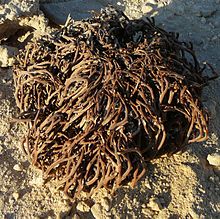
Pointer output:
x,y
96,210
212,179
146,9
214,159
106,203
17,167
16,196
154,204
76,216
83,207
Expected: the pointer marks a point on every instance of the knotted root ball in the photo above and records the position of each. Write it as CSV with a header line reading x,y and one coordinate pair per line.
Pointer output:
x,y
104,95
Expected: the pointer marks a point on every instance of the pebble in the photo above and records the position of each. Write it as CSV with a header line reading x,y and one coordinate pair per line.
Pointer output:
x,y
201,190
106,204
24,37
17,167
214,159
76,216
193,214
212,179
15,195
83,207
146,211
147,184
11,200
96,210
143,206
146,9
214,38
154,204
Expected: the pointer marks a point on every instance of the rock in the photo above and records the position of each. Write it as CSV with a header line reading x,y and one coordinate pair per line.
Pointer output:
x,y
143,206
193,214
146,212
76,216
163,214
120,4
147,184
6,55
83,207
214,38
214,159
146,9
153,2
212,179
106,204
17,167
154,204
96,210
201,190
15,195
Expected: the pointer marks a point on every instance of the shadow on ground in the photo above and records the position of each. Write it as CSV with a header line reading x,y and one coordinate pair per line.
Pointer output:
x,y
199,22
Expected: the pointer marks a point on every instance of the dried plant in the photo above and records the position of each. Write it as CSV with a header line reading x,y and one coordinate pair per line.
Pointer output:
x,y
104,95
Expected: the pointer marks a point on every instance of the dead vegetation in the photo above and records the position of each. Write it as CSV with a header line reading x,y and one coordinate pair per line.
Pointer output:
x,y
102,96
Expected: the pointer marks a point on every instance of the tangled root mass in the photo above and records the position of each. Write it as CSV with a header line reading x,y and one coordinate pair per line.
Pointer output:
x,y
104,95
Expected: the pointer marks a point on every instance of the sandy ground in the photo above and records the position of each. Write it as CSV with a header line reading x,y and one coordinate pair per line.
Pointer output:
x,y
182,186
